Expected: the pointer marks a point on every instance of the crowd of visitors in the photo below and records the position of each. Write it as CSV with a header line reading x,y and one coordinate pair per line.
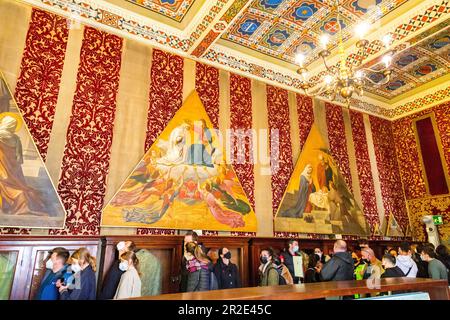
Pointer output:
x,y
72,276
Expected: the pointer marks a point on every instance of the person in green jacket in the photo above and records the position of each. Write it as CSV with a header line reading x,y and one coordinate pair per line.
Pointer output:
x,y
269,275
359,268
436,269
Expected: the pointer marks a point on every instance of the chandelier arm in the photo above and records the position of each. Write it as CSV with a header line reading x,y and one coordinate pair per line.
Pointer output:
x,y
373,70
325,64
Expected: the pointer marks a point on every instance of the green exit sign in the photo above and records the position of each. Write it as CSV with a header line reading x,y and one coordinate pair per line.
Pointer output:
x,y
437,220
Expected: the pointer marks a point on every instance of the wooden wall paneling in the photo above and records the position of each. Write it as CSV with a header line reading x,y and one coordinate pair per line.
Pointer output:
x,y
32,251
239,250
167,248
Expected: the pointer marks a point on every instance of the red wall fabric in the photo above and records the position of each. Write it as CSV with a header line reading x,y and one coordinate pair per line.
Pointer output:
x,y
408,158
165,98
389,172
37,86
40,74
338,142
278,115
305,113
363,166
431,157
442,115
241,119
411,171
89,136
207,86
166,92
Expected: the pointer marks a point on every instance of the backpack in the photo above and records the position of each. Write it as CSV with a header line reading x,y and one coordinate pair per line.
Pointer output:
x,y
281,280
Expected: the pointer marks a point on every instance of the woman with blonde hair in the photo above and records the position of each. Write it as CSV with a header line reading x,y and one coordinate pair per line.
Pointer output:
x,y
200,277
130,282
83,266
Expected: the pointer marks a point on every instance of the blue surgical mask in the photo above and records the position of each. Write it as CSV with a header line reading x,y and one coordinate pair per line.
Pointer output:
x,y
295,249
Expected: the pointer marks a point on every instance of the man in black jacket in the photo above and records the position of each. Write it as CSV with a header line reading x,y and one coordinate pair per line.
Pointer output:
x,y
288,260
340,266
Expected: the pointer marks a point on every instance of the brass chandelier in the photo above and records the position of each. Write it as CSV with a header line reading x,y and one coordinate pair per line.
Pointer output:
x,y
344,80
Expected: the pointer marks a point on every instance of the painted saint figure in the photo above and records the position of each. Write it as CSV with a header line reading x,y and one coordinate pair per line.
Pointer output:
x,y
16,196
306,187
324,173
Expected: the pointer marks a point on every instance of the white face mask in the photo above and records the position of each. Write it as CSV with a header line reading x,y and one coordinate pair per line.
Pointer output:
x,y
49,264
120,246
75,268
295,249
123,266
319,254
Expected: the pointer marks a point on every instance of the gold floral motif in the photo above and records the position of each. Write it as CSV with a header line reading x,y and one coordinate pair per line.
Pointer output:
x,y
429,206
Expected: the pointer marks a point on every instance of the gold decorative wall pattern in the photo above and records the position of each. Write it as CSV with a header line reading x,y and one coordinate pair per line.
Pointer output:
x,y
439,205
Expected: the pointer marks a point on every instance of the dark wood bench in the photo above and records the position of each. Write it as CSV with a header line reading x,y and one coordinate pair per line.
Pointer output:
x,y
437,289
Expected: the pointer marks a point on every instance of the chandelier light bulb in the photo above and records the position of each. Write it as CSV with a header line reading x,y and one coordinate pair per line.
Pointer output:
x,y
387,40
359,74
300,58
387,60
328,79
324,39
362,29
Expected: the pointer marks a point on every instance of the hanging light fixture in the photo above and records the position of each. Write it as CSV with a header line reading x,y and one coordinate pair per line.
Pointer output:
x,y
343,81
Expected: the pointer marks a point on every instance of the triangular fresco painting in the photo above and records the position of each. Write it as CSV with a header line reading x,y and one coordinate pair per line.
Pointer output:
x,y
317,199
28,198
182,182
393,228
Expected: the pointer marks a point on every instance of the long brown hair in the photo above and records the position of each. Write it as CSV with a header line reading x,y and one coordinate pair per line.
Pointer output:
x,y
197,252
82,254
131,255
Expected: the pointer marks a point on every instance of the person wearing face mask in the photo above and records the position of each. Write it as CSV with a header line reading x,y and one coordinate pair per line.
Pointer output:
x,y
269,275
436,269
288,258
405,262
112,278
56,270
374,268
323,257
130,283
226,272
83,266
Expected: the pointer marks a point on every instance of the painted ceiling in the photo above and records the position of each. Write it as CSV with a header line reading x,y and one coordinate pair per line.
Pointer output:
x,y
259,39
173,9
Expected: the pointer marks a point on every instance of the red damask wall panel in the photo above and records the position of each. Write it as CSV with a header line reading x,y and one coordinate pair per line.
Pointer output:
x,y
389,173
40,74
281,158
89,136
364,169
38,83
338,142
166,92
305,113
165,98
241,119
442,113
407,152
207,86
408,158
